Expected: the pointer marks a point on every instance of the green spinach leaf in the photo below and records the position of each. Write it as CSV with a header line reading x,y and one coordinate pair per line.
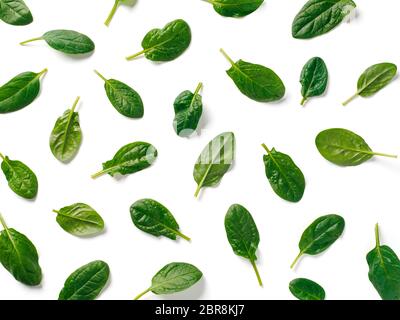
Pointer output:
x,y
214,161
243,235
235,8
320,235
15,12
305,289
313,79
174,277
320,16
285,177
87,282
166,44
344,147
115,7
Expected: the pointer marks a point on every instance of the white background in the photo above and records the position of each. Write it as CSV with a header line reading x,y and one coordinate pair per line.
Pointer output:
x,y
363,195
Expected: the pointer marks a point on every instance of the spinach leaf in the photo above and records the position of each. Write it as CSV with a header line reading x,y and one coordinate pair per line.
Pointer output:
x,y
174,277
87,282
188,109
80,220
320,16
152,217
243,235
255,81
19,256
20,91
214,161
373,80
235,8
20,177
66,41
131,158
313,79
320,235
305,289
123,98
115,7
345,148
66,137
384,270
285,177
165,44
15,12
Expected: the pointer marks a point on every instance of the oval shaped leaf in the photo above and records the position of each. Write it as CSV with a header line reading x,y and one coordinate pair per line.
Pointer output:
x,y
320,16
15,12
152,217
79,219
344,147
305,289
285,177
20,91
188,110
235,8
131,158
214,161
87,282
313,79
166,44
243,235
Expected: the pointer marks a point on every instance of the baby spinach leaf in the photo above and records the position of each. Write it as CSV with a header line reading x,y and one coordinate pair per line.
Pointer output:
x,y
285,177
87,282
66,41
373,80
188,109
320,16
174,277
15,12
345,148
313,79
115,7
152,217
165,44
131,158
384,270
20,177
214,161
66,137
320,235
19,256
80,220
255,81
305,289
235,8
20,91
243,235
123,98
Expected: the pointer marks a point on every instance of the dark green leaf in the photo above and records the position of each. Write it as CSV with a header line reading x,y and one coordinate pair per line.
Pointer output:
x,y
115,7
320,16
19,256
384,270
152,217
344,148
373,80
255,81
15,12
305,289
20,91
20,178
320,235
235,8
188,109
66,137
131,158
214,161
285,177
174,277
123,98
166,44
313,79
87,282
242,234
80,220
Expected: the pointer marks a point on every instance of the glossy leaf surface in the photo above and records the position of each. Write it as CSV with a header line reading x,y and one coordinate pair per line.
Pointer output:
x,y
15,12
305,289
235,8
313,79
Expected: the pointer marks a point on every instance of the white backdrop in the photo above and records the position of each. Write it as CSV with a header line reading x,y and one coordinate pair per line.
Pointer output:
x,y
363,195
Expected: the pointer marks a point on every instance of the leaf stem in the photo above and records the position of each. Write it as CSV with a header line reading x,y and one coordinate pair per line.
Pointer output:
x,y
142,294
384,155
266,148
257,273
303,101
102,172
182,235
227,57
75,104
297,259
112,12
56,211
30,40
377,240
196,194
137,54
100,75
1,156
3,223
350,99
44,71
199,86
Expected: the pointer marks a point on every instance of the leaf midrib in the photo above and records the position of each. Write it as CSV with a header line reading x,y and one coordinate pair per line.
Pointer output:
x,y
372,81
21,89
76,293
